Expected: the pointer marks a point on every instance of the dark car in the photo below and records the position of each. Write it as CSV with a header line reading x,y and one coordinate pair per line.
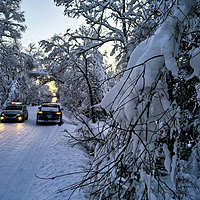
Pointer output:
x,y
16,112
49,113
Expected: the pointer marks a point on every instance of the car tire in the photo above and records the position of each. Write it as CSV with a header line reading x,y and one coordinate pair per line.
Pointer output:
x,y
37,123
60,123
26,117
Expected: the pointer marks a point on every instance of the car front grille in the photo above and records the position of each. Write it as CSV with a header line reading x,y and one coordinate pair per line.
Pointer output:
x,y
10,115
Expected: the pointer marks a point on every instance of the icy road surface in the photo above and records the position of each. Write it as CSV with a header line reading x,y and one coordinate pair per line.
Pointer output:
x,y
27,149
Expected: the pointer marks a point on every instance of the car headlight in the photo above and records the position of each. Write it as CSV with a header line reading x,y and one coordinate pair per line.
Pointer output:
x,y
2,116
20,118
18,114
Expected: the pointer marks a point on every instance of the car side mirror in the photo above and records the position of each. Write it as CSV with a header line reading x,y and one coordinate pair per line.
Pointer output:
x,y
62,109
39,107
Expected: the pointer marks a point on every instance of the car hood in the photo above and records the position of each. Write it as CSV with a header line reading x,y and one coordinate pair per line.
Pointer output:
x,y
12,112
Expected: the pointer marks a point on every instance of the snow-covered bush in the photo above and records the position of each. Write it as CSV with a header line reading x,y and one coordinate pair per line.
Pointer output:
x,y
87,134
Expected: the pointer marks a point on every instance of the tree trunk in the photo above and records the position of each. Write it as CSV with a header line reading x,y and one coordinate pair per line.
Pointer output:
x,y
92,112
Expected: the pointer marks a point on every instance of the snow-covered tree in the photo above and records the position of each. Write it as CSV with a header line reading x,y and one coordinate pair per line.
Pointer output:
x,y
17,82
138,152
116,22
11,21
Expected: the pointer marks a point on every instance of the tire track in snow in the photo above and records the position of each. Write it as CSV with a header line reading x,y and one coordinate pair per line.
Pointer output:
x,y
14,142
7,133
17,183
33,168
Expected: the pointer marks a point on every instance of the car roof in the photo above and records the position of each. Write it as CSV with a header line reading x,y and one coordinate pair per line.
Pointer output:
x,y
51,104
15,104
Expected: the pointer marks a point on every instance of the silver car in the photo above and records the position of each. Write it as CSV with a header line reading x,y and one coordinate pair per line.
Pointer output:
x,y
15,112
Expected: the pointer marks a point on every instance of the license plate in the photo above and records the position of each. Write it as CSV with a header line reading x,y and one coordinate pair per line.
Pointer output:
x,y
48,116
9,117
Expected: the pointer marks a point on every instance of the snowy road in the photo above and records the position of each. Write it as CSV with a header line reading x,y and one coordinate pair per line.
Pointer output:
x,y
27,149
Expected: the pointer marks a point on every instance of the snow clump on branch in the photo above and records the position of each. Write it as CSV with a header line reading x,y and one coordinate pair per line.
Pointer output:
x,y
150,58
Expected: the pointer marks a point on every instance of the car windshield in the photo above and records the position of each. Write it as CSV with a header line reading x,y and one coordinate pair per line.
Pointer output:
x,y
13,108
49,108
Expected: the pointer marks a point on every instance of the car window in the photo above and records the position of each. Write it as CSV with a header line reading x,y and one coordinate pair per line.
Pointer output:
x,y
50,108
13,108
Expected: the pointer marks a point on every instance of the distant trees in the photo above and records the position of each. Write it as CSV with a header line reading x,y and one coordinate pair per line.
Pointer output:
x,y
16,83
78,76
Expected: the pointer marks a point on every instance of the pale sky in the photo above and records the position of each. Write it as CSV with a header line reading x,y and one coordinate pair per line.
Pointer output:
x,y
43,20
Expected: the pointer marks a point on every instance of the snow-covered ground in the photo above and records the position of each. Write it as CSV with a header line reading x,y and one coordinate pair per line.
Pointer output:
x,y
27,149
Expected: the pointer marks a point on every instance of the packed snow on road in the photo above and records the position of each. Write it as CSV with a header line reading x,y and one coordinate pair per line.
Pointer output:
x,y
28,150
